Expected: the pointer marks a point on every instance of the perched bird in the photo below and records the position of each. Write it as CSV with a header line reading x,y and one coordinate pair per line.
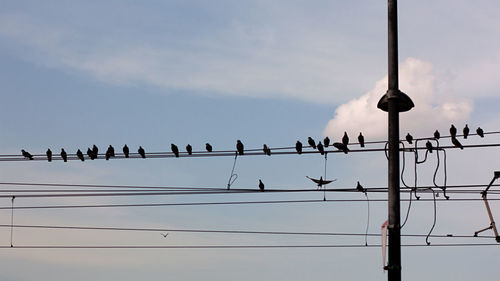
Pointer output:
x,y
27,154
90,153
345,139
428,144
240,147
437,135
311,142
64,155
208,147
141,152
480,132
189,149
111,151
108,155
298,147
175,149
466,131
456,143
79,154
320,148
95,150
360,188
49,155
326,141
341,146
453,131
126,151
409,138
261,185
361,140
267,150
320,182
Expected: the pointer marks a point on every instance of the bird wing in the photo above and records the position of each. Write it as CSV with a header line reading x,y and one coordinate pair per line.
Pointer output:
x,y
314,180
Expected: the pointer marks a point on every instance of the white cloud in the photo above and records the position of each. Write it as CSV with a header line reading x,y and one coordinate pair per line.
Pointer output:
x,y
433,109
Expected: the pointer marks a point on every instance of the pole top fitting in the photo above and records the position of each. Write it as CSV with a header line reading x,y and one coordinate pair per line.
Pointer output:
x,y
404,101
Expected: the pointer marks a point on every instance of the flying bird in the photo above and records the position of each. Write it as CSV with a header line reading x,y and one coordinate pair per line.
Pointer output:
x,y
267,150
189,149
409,138
453,131
49,155
175,149
320,182
466,131
456,143
141,152
208,147
361,140
429,147
320,148
95,151
164,235
90,153
360,188
64,155
326,141
437,135
27,154
126,151
261,185
298,147
79,154
311,142
345,139
341,146
240,147
480,132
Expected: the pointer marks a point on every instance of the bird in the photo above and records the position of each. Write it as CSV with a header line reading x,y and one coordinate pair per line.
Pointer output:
x,y
267,150
111,151
320,182
466,131
320,148
456,143
409,138
141,152
108,155
298,147
175,149
326,141
189,149
437,135
345,139
208,147
126,151
429,147
480,132
95,151
261,185
341,146
164,235
361,140
311,142
64,155
453,131
240,147
360,188
90,153
27,154
49,155
79,154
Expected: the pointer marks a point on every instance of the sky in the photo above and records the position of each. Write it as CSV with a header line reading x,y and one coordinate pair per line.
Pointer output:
x,y
153,73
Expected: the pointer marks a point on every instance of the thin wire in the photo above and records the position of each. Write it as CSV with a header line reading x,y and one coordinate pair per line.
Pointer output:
x,y
12,222
231,179
324,189
434,221
367,219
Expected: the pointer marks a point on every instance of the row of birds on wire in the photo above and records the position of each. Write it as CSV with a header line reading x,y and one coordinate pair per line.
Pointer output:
x,y
93,153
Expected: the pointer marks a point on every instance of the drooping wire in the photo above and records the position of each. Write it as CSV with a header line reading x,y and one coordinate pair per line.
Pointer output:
x,y
12,222
407,186
326,162
434,221
368,218
233,176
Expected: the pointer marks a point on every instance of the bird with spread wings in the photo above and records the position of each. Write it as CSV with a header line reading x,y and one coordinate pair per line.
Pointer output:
x,y
320,182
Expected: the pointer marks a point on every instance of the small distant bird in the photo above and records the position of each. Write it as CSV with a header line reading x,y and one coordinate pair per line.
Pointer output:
x,y
49,155
298,147
27,154
64,155
360,188
311,142
320,182
79,154
164,235
453,131
437,135
409,138
111,151
480,132
108,155
126,151
261,185
141,152
240,147
90,153
341,146
429,147
320,148
361,140
267,150
345,139
456,143
326,141
95,151
189,149
466,131
175,149
208,147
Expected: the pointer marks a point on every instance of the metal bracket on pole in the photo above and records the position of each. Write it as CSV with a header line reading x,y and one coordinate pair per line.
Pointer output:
x,y
484,195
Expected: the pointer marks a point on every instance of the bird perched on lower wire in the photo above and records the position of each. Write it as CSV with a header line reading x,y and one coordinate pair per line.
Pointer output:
x,y
345,139
311,142
110,152
429,146
27,154
321,149
437,135
298,147
326,141
261,185
189,149
49,155
480,132
466,131
267,150
79,154
141,152
64,155
240,147
90,154
409,138
456,143
95,151
174,149
125,151
361,140
208,147
360,188
341,146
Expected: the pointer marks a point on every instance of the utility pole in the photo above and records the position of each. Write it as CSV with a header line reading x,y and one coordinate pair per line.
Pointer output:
x,y
393,102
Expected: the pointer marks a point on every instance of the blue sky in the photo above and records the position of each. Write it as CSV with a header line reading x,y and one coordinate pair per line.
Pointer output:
x,y
152,73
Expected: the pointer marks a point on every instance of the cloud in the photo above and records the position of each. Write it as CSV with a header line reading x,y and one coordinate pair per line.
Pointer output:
x,y
435,108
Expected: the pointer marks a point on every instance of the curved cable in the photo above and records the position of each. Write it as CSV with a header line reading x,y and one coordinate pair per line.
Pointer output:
x,y
233,176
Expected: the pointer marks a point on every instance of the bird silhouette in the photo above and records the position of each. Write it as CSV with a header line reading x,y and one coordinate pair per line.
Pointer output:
x,y
437,135
429,147
360,188
95,151
111,151
453,131
267,150
409,138
90,153
321,149
456,143
311,142
141,152
480,132
164,235
108,155
261,185
27,154
189,149
320,182
126,151
240,147
298,147
49,155
326,141
341,146
79,154
361,140
466,131
64,155
175,149
345,139
208,147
